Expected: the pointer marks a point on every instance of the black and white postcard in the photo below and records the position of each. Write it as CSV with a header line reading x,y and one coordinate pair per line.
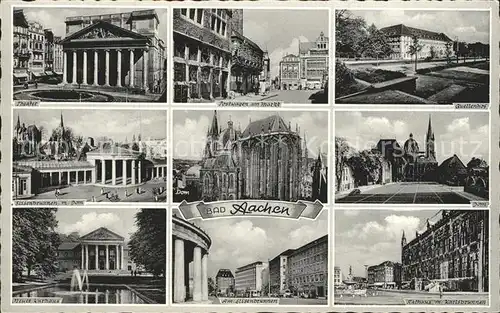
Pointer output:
x,y
89,256
420,157
251,260
250,55
90,155
411,56
418,257
89,54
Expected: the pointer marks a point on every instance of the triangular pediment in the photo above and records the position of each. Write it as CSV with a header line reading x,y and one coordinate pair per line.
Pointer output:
x,y
103,31
102,234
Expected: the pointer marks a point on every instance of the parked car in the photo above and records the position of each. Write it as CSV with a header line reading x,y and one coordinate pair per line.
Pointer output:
x,y
287,294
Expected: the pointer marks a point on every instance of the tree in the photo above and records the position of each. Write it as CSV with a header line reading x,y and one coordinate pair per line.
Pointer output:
x,y
448,52
342,151
477,163
415,48
34,242
376,44
366,167
148,244
432,52
350,33
211,286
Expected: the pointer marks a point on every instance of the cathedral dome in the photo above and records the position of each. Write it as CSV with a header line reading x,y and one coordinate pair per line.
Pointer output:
x,y
411,146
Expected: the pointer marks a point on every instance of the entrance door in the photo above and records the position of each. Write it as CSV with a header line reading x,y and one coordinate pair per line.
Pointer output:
x,y
321,291
24,187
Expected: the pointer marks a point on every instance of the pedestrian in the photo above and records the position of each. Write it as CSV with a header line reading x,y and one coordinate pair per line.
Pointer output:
x,y
36,84
440,292
131,272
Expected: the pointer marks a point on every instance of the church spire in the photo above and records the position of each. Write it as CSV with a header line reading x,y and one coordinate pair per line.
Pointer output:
x,y
403,239
214,128
430,151
62,121
18,125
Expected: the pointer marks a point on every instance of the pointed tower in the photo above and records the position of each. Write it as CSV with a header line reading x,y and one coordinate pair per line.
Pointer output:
x,y
18,124
403,239
306,156
62,121
430,152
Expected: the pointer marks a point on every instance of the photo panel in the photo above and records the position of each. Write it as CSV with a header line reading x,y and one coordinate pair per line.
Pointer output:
x,y
88,156
89,54
89,256
412,158
410,56
412,257
236,155
250,54
251,260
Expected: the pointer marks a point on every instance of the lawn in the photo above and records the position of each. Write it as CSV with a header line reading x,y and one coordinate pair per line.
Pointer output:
x,y
383,97
482,66
460,75
376,75
348,89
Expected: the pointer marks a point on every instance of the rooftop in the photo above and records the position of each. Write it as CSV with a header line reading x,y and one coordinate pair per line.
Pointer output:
x,y
53,164
403,30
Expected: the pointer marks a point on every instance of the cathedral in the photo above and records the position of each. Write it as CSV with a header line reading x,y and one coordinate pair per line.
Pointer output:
x,y
419,165
264,161
26,139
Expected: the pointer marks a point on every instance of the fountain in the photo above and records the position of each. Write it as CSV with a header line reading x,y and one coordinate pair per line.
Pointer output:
x,y
351,286
77,283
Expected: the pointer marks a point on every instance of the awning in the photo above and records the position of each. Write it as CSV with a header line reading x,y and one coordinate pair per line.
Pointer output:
x,y
20,75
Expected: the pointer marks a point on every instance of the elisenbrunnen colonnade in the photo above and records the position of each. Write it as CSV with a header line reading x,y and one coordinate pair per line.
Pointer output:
x,y
106,55
191,244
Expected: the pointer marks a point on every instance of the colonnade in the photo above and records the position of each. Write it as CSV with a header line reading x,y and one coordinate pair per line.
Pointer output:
x,y
118,254
99,66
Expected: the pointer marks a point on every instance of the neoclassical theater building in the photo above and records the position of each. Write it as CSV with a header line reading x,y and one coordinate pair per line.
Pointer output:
x,y
264,161
57,163
122,51
101,249
190,246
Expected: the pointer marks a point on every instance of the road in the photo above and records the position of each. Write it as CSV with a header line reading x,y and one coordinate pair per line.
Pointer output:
x,y
398,298
421,193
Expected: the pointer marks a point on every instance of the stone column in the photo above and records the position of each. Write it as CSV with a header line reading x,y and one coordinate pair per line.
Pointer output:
x,y
117,260
107,257
132,69
197,274
204,277
65,67
121,257
113,172
96,67
81,265
228,81
124,172
84,177
60,178
84,82
94,175
139,174
186,60
211,82
86,256
96,257
74,67
103,171
132,168
119,68
145,69
107,68
76,178
179,288
69,178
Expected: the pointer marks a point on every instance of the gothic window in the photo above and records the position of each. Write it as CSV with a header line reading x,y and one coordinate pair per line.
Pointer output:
x,y
231,180
218,21
179,72
206,184
196,15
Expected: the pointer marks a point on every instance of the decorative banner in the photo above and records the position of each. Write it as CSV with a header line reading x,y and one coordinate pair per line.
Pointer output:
x,y
271,208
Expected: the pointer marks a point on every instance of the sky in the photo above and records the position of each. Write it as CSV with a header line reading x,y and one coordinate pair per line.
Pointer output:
x,y
115,124
468,26
190,128
280,31
54,17
240,241
86,220
462,133
370,237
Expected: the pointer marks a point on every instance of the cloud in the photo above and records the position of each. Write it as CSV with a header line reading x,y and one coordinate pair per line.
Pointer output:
x,y
277,54
190,137
307,233
351,212
464,140
90,222
390,230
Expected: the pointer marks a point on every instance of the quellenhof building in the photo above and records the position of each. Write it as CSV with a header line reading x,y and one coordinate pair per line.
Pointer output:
x,y
248,278
224,281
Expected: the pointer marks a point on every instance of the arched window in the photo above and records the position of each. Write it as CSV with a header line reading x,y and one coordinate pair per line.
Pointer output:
x,y
206,183
231,180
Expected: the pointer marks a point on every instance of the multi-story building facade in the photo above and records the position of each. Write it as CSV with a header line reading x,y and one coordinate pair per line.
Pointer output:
x,y
337,276
290,72
224,281
385,275
278,271
308,268
202,53
36,44
453,251
58,66
314,62
400,38
21,51
49,50
247,57
248,278
133,57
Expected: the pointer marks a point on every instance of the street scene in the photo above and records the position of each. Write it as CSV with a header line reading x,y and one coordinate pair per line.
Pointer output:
x,y
235,154
417,157
250,55
72,54
89,256
422,257
91,155
264,261
412,56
